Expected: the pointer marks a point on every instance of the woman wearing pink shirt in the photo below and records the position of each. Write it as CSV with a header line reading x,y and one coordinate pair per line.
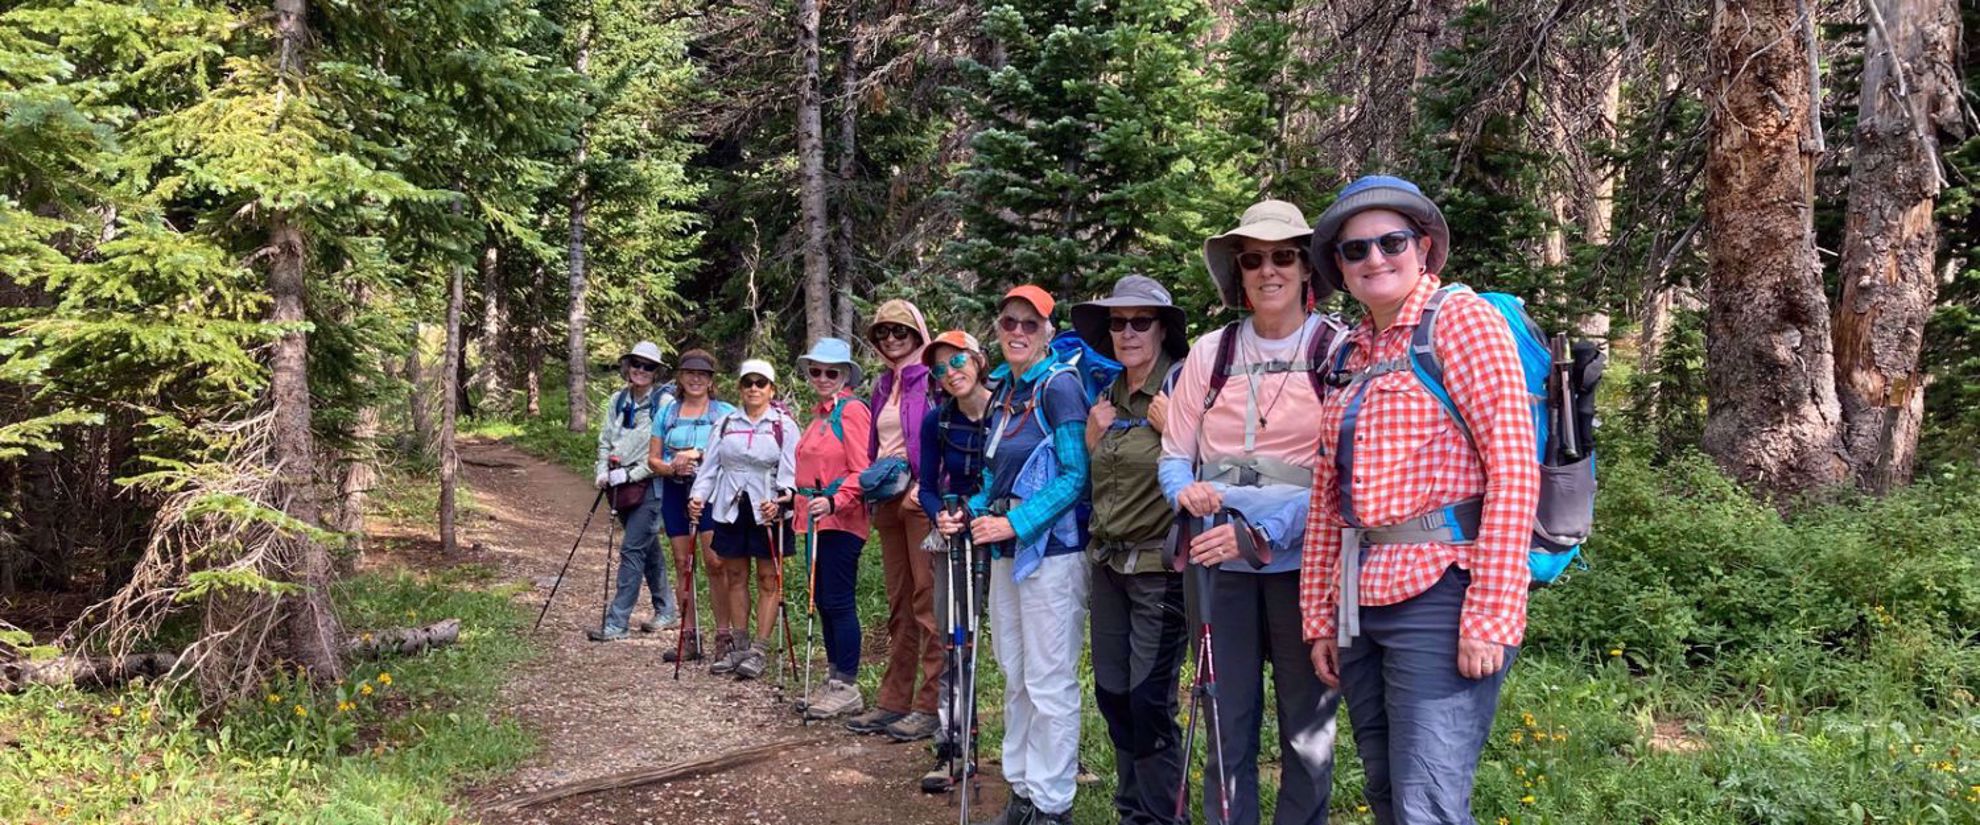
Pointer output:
x,y
830,455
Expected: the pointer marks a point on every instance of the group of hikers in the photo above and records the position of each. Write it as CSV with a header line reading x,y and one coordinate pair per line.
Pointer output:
x,y
1289,476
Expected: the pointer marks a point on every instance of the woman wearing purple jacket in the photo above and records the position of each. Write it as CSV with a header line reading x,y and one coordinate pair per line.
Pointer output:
x,y
903,710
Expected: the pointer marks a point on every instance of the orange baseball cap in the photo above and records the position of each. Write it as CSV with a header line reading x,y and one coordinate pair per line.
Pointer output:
x,y
954,338
1037,297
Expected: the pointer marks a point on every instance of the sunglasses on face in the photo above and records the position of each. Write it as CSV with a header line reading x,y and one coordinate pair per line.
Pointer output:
x,y
754,382
1027,325
955,362
886,331
642,366
1282,258
1391,244
827,373
1142,324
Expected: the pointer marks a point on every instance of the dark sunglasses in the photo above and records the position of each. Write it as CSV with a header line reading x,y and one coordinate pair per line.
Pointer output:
x,y
754,382
1391,244
642,366
955,362
1248,261
1141,324
1028,325
886,331
831,373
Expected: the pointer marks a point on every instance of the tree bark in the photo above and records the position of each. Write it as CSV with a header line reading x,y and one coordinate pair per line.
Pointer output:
x,y
842,321
811,179
360,475
1774,422
492,377
578,418
1889,278
450,458
416,409
533,347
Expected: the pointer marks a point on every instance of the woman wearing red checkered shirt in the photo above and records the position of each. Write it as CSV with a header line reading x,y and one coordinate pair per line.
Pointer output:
x,y
1415,578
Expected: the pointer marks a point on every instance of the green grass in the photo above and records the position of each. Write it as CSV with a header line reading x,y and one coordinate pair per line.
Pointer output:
x,y
390,744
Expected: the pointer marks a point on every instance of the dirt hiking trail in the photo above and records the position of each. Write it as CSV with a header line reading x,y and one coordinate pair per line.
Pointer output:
x,y
600,709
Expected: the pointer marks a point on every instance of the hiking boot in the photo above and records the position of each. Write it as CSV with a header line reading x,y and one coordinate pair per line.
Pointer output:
x,y
1061,818
726,662
916,725
873,721
607,634
1018,811
835,699
659,623
941,778
692,645
751,663
1083,775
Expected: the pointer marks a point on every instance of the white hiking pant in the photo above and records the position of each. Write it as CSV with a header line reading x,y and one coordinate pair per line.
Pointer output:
x,y
1037,629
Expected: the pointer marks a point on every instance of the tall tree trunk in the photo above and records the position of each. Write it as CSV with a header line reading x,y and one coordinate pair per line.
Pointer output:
x,y
360,475
533,347
578,419
310,623
493,374
451,376
811,179
842,322
1774,422
1889,280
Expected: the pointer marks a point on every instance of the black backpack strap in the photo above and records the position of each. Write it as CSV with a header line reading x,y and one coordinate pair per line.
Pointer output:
x,y
1220,369
1320,352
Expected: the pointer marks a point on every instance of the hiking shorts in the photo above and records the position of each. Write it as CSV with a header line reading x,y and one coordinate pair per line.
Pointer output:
x,y
674,509
748,539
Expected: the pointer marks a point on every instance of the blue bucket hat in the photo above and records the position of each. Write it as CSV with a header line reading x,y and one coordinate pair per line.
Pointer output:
x,y
835,352
1378,192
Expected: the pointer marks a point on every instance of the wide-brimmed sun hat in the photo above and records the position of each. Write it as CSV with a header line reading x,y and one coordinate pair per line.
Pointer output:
x,y
834,352
645,351
1266,220
1378,192
1090,318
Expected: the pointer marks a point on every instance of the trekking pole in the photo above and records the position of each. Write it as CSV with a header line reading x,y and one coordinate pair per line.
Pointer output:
x,y
692,625
1203,690
773,532
975,575
559,583
951,602
810,600
611,541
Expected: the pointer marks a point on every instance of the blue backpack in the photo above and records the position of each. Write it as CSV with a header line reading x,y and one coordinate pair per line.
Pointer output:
x,y
1560,381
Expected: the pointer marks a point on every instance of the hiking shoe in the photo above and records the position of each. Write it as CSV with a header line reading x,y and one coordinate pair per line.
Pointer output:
x,y
873,721
1018,811
751,663
692,645
916,725
606,634
941,778
728,661
1061,818
1083,775
835,699
659,623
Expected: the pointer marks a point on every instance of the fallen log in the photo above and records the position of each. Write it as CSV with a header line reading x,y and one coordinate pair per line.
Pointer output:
x,y
665,773
97,672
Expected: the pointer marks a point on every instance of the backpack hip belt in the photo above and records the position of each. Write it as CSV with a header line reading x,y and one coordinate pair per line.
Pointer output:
x,y
1256,471
1101,550
1449,524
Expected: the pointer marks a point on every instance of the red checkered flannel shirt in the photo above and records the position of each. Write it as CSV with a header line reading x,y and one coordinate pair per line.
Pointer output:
x,y
1411,458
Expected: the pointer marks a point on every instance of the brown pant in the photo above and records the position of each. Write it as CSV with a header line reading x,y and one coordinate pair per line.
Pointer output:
x,y
911,632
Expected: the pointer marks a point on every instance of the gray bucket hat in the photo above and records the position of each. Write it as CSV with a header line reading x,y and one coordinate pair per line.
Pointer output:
x,y
1378,192
1089,319
833,352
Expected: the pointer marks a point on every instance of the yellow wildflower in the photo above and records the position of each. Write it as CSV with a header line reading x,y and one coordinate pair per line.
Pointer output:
x,y
365,689
302,711
116,711
384,678
274,698
1504,821
1614,652
1526,800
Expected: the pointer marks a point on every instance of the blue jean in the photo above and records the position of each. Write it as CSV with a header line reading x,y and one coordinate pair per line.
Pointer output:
x,y
837,568
1419,725
640,559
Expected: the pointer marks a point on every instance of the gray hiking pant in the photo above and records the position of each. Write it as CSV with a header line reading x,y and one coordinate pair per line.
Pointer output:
x,y
1257,619
1139,637
1418,724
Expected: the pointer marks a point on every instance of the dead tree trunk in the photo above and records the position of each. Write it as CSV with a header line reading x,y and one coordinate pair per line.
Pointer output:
x,y
533,347
1889,280
359,476
451,376
811,179
579,416
1774,422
